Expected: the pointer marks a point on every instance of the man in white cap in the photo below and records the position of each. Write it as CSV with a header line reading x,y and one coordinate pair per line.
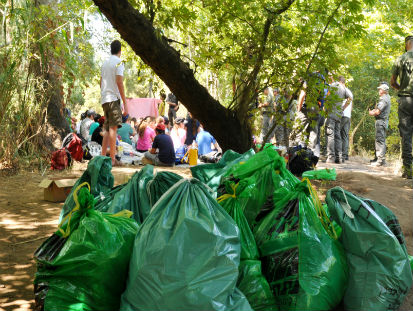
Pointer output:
x,y
381,112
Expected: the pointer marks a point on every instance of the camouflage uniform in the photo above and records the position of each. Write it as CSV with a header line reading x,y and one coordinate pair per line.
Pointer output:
x,y
382,122
333,124
403,69
267,116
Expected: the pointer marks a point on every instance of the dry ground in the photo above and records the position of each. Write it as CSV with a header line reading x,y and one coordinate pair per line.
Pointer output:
x,y
26,220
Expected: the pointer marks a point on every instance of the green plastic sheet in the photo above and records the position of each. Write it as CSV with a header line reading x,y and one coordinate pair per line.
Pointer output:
x,y
89,272
186,255
324,174
380,273
251,281
211,174
302,261
98,175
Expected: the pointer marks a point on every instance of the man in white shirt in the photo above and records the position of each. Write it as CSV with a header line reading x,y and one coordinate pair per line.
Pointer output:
x,y
112,92
345,125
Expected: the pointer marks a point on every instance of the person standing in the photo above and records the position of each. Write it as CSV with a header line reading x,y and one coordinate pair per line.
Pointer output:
x,y
307,118
267,110
172,101
112,92
403,70
345,125
381,112
333,126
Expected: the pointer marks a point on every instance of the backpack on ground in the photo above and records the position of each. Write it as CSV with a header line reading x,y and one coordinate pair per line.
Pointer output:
x,y
61,159
74,144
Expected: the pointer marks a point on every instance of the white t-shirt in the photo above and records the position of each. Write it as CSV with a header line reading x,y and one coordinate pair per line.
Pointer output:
x,y
111,68
347,111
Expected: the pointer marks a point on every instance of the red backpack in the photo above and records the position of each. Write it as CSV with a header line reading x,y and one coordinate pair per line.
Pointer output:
x,y
61,159
73,143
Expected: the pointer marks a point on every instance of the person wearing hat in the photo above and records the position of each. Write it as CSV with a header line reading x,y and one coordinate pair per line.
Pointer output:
x,y
126,131
166,153
86,124
403,70
381,112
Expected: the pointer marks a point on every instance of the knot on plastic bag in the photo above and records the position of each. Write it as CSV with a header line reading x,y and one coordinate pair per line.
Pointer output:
x,y
86,200
302,187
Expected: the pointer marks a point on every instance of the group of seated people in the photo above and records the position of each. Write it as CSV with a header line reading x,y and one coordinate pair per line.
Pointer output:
x,y
154,137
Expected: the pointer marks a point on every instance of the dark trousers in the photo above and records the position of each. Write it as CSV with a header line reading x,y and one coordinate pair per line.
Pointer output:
x,y
406,130
333,138
344,131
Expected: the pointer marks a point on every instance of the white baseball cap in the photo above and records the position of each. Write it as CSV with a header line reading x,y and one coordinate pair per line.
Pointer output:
x,y
384,87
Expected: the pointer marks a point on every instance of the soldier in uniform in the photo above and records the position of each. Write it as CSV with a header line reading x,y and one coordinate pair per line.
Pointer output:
x,y
381,112
403,70
267,109
333,126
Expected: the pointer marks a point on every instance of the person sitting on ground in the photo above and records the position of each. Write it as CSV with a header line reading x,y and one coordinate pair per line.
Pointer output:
x,y
178,133
205,141
146,134
94,125
162,142
79,123
192,126
167,127
133,122
126,131
86,123
160,120
98,133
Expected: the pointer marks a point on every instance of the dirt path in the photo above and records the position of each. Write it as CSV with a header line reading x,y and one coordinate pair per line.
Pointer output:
x,y
26,220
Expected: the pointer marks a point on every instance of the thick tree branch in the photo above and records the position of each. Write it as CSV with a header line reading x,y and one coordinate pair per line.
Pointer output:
x,y
167,64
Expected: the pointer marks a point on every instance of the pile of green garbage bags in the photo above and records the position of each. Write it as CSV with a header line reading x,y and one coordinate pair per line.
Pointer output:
x,y
243,234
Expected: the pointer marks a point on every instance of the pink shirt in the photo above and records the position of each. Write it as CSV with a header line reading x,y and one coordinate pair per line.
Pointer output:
x,y
145,143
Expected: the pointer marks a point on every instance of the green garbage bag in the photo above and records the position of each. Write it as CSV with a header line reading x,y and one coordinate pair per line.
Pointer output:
x,y
84,265
324,174
139,194
302,261
210,174
380,274
132,196
161,183
257,179
251,281
98,175
411,262
186,255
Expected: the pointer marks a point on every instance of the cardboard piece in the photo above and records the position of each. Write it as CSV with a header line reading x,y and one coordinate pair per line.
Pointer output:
x,y
56,189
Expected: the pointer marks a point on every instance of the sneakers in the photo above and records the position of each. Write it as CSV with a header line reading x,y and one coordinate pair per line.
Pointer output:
x,y
330,160
378,164
373,160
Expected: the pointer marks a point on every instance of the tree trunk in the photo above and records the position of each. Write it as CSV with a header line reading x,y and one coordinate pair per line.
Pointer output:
x,y
231,131
46,69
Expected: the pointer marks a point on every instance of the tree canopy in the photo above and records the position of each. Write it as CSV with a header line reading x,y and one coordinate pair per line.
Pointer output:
x,y
224,53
